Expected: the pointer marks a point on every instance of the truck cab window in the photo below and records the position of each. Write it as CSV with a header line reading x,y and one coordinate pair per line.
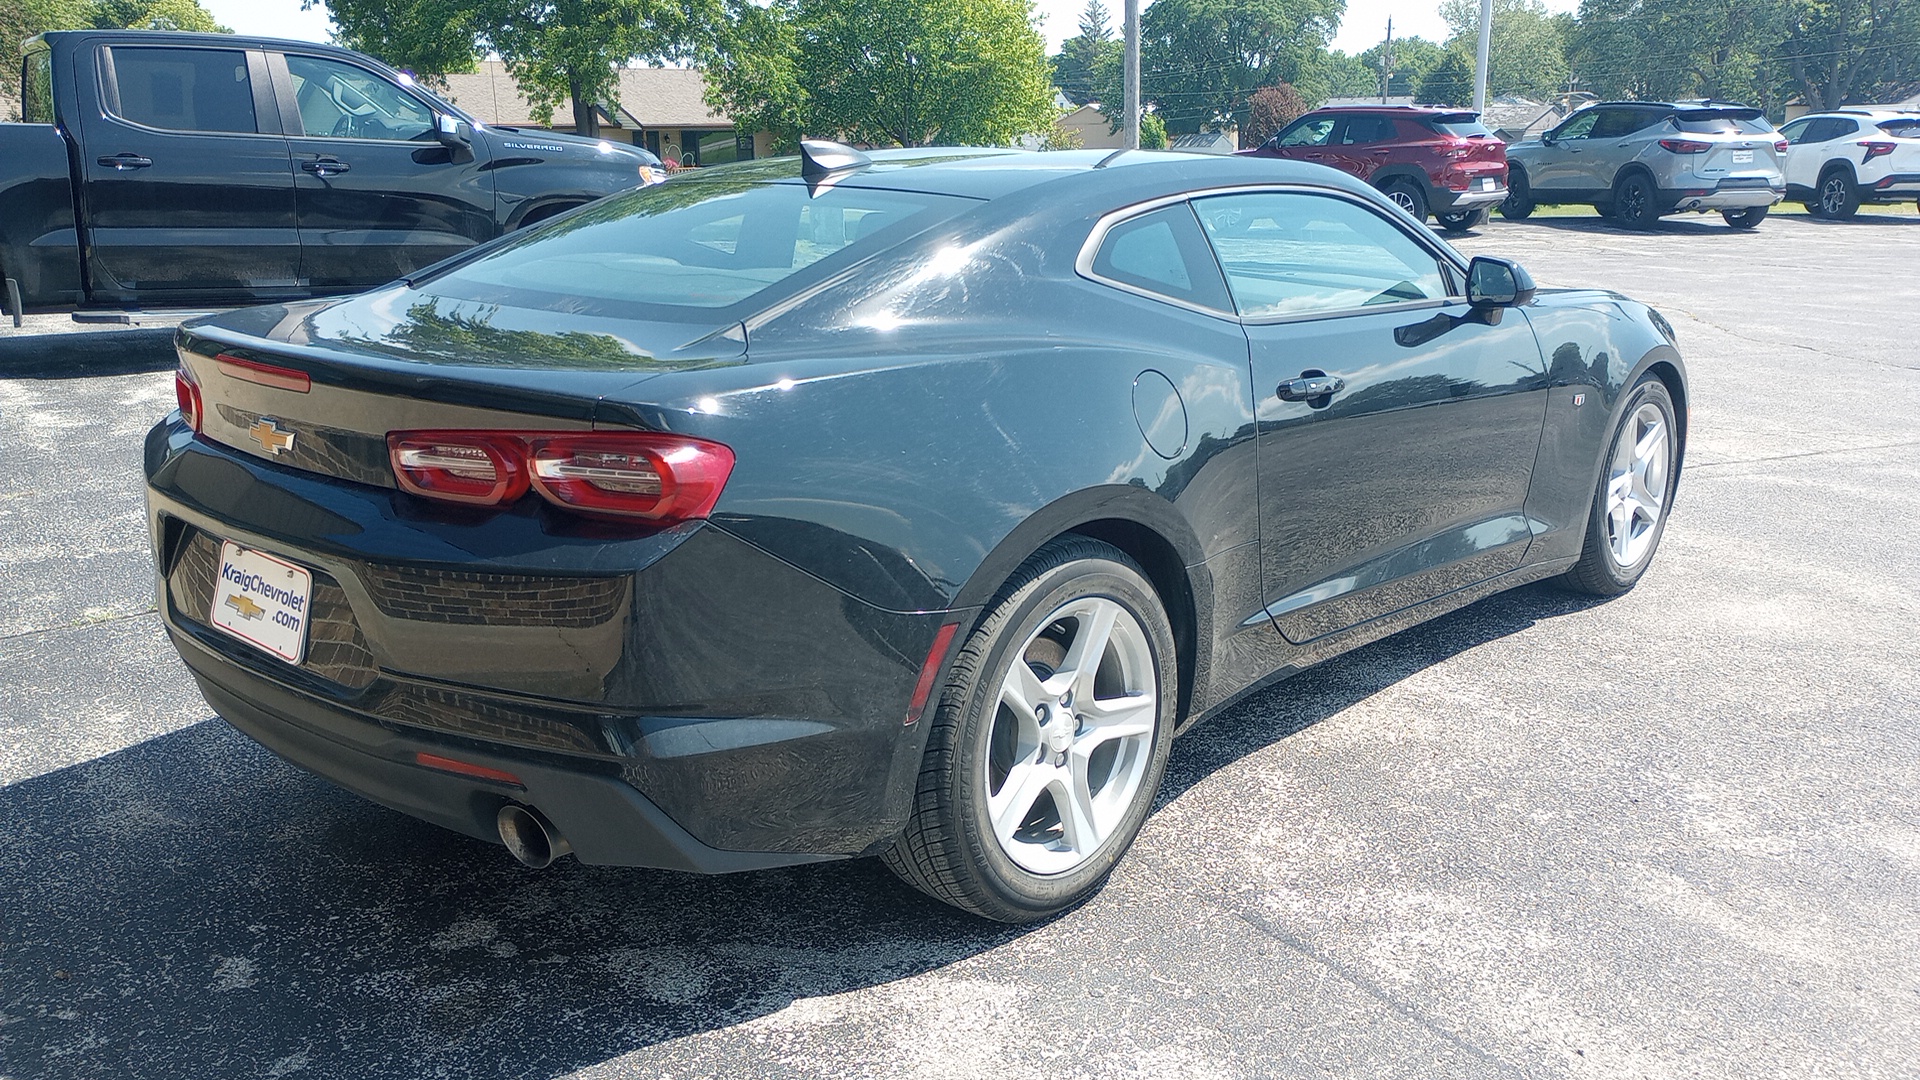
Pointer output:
x,y
345,102
184,89
36,84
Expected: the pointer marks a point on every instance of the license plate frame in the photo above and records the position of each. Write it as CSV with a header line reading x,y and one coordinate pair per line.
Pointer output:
x,y
1743,157
263,600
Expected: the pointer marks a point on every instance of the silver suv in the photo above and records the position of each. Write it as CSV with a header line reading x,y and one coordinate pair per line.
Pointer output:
x,y
1638,160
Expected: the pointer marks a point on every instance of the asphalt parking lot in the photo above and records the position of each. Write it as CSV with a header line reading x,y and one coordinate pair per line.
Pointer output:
x,y
1673,835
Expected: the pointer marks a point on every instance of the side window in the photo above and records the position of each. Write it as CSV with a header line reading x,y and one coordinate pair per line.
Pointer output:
x,y
1291,254
1824,129
184,89
1163,252
1579,127
1312,132
1793,131
345,102
1844,128
1615,123
36,86
1367,129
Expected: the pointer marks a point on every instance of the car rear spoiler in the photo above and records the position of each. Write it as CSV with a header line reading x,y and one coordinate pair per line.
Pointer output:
x,y
1719,113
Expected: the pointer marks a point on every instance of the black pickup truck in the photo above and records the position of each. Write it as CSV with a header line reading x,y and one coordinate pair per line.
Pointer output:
x,y
168,170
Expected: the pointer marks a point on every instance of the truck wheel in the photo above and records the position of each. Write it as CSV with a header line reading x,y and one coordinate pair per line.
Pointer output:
x,y
1633,202
1049,741
1837,196
1407,195
1519,203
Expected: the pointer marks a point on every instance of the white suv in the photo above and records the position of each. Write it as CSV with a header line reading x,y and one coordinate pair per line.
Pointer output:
x,y
1838,160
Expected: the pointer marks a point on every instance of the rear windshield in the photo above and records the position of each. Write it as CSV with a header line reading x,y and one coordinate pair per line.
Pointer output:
x,y
1902,129
703,243
1723,121
1463,126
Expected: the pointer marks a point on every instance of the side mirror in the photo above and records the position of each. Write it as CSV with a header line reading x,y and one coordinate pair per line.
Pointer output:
x,y
453,132
1546,138
1494,282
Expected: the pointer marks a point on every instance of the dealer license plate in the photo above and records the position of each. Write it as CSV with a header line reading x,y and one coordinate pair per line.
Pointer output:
x,y
262,601
1743,157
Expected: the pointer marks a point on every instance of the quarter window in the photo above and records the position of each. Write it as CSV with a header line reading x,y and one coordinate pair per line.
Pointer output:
x,y
1366,129
1291,254
1163,252
345,102
184,89
36,104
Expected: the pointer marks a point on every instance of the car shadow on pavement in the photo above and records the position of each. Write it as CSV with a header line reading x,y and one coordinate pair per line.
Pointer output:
x,y
191,906
86,353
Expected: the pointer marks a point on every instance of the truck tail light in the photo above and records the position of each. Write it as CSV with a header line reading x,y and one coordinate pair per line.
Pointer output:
x,y
1876,149
644,475
186,392
650,476
1685,146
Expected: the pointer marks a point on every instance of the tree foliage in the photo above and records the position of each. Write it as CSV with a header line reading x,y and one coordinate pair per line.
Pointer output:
x,y
1528,53
1449,82
154,15
1269,109
1076,65
887,72
1202,58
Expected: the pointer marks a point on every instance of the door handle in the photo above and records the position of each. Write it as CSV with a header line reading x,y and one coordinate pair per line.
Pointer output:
x,y
125,162
325,167
1315,157
1309,387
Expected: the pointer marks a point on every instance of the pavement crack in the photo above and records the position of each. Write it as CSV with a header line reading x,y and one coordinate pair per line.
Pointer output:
x,y
81,623
1805,454
1393,1002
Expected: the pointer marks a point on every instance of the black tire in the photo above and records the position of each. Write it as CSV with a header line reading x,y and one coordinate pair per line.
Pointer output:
x,y
1744,219
1462,221
1837,196
1407,196
950,849
1519,204
1600,572
1635,202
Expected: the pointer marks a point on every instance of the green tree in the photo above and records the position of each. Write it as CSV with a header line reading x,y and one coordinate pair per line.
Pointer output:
x,y
1450,82
430,38
1153,132
751,63
1528,52
1413,57
1653,49
1199,58
154,15
1079,58
886,72
1843,50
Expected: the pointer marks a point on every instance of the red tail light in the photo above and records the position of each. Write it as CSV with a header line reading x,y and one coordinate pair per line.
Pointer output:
x,y
651,476
1685,146
1780,146
476,467
253,371
1876,149
186,392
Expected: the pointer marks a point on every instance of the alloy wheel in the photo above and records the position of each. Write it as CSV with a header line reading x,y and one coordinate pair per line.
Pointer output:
x,y
1833,196
1071,736
1637,485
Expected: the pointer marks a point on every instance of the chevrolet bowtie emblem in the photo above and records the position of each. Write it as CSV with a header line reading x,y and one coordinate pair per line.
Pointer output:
x,y
270,437
246,607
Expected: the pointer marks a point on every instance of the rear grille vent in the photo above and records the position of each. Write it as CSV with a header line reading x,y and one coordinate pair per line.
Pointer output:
x,y
443,710
348,455
336,651
472,599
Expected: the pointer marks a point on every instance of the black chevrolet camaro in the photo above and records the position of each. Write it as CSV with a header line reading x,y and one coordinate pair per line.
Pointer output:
x,y
902,506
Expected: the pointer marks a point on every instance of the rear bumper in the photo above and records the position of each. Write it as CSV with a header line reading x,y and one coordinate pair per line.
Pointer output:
x,y
1726,195
1446,201
682,701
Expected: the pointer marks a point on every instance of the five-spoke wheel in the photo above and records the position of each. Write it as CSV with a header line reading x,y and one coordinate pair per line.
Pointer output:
x,y
1050,739
1635,493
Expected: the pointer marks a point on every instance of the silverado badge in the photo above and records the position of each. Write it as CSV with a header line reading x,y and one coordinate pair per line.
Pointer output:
x,y
270,437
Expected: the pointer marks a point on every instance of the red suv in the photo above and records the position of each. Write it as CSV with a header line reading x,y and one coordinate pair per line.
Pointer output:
x,y
1439,161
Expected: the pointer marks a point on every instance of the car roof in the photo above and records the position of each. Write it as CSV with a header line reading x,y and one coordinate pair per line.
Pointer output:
x,y
988,173
1397,110
189,37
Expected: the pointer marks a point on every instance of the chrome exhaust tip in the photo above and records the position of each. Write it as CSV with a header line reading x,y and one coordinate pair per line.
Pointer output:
x,y
529,837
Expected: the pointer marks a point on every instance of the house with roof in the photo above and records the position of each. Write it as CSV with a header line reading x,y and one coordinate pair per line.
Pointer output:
x,y
1516,119
662,109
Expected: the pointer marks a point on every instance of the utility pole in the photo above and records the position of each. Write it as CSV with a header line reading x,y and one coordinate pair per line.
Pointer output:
x,y
1132,74
1386,63
1480,70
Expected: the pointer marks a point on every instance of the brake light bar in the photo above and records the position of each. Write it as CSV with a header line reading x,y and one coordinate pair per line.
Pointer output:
x,y
186,392
651,476
1876,149
253,371
1685,146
